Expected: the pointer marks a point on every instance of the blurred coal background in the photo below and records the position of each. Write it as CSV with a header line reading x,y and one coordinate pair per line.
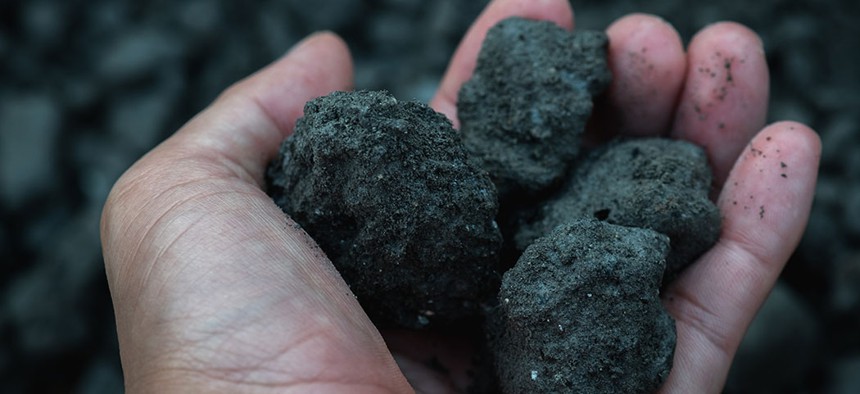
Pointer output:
x,y
87,87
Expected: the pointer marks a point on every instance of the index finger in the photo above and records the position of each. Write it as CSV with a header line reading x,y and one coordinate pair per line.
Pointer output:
x,y
465,57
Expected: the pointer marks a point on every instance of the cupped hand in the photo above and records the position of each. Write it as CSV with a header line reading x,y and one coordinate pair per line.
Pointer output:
x,y
214,289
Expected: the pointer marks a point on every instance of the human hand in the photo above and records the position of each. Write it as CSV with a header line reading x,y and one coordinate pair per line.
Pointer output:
x,y
715,95
214,291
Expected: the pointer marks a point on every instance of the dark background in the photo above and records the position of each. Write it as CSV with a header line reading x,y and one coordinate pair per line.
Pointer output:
x,y
86,87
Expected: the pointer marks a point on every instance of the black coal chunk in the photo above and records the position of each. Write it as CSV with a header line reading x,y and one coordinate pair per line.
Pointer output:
x,y
525,107
580,313
653,183
385,188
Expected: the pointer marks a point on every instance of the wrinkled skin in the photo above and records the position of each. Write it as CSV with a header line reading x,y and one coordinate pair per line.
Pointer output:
x,y
195,251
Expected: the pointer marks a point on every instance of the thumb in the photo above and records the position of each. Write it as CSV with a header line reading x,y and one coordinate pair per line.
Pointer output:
x,y
211,287
250,119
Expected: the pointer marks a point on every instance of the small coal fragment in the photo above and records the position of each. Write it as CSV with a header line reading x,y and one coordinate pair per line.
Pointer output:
x,y
652,183
384,187
580,312
528,101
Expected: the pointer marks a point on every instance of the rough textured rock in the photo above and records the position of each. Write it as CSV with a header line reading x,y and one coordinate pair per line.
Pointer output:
x,y
525,107
580,312
653,183
385,189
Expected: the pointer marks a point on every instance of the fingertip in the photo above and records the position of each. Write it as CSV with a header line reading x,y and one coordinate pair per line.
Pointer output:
x,y
634,19
246,124
330,38
730,33
725,96
798,147
641,26
463,62
783,141
317,65
322,52
647,60
327,46
769,192
804,137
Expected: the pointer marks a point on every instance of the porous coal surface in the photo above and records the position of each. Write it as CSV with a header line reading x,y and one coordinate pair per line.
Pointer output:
x,y
386,190
581,312
525,107
653,183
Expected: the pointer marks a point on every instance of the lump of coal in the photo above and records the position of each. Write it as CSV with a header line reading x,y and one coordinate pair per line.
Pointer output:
x,y
524,109
384,187
652,183
580,312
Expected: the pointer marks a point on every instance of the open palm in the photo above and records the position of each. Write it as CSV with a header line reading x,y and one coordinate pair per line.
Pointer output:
x,y
214,290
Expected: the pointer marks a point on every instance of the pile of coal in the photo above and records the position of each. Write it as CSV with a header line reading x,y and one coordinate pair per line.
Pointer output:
x,y
525,107
386,190
581,312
